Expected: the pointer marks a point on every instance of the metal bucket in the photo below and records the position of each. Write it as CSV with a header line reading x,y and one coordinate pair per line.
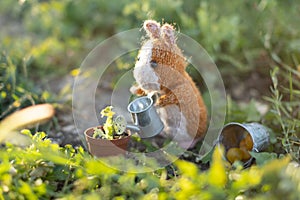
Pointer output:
x,y
145,117
233,133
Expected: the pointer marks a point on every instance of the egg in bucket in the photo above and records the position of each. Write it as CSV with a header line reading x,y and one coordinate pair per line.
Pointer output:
x,y
238,139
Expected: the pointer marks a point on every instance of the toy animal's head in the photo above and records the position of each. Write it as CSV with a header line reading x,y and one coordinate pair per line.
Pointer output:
x,y
158,56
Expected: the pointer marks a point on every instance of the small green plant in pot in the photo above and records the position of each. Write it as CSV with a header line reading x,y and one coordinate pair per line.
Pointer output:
x,y
111,138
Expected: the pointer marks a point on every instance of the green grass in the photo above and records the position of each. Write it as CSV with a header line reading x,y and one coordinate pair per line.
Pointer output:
x,y
44,170
17,90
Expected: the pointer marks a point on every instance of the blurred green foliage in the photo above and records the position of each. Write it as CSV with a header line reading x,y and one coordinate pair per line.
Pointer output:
x,y
45,171
16,89
237,35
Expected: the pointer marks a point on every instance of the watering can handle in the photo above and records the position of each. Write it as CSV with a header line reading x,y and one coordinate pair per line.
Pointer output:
x,y
154,96
136,120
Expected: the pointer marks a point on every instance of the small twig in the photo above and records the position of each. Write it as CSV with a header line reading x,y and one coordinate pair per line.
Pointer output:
x,y
294,142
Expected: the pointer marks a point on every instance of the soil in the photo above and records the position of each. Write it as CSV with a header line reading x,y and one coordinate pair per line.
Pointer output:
x,y
115,136
253,85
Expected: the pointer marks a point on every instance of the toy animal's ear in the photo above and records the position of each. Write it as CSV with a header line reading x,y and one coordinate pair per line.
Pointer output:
x,y
168,33
152,28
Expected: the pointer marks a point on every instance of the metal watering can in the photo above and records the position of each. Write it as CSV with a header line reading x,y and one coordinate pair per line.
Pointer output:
x,y
145,117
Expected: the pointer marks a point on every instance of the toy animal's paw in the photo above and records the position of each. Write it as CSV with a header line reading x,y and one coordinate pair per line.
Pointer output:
x,y
162,101
137,90
167,100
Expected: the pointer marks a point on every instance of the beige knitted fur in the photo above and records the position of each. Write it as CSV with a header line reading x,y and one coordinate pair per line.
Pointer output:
x,y
161,68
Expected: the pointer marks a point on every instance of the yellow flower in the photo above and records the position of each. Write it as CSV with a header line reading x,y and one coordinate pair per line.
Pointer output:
x,y
217,173
75,72
107,112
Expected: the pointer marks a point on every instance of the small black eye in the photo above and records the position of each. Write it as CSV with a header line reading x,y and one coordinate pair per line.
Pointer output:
x,y
153,63
138,59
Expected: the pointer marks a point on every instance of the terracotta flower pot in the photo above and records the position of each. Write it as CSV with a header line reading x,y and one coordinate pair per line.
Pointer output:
x,y
103,147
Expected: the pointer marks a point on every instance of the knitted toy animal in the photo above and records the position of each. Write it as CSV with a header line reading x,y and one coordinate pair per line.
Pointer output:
x,y
160,68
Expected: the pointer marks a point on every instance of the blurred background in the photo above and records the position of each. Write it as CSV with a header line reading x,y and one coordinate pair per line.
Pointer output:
x,y
255,44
